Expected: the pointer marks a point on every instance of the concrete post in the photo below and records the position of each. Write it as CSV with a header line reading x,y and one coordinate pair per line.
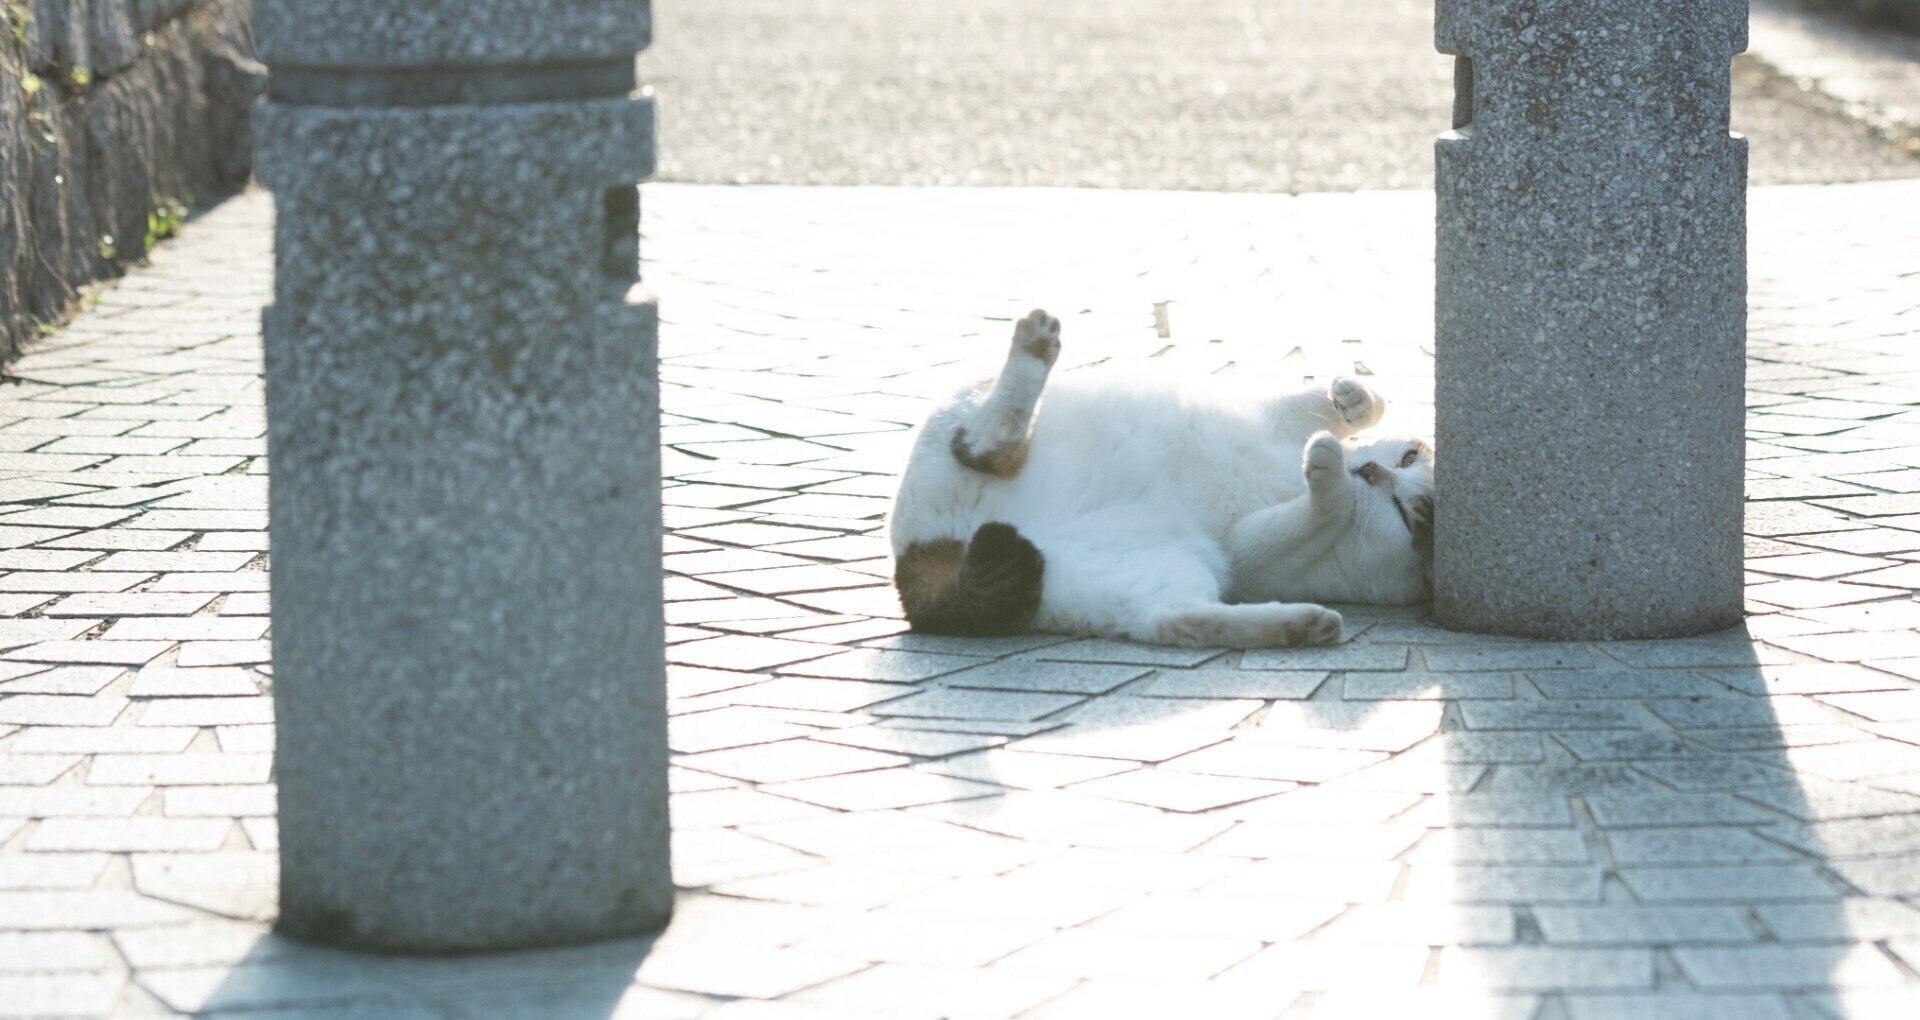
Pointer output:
x,y
1591,320
465,474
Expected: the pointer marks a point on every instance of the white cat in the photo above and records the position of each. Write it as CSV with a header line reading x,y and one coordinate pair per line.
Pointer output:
x,y
1161,511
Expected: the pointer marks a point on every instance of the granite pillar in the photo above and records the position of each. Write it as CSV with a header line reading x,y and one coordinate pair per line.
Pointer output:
x,y
463,408
1591,320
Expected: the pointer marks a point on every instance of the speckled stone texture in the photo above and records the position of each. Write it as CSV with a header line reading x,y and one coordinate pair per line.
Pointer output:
x,y
465,523
1591,320
419,33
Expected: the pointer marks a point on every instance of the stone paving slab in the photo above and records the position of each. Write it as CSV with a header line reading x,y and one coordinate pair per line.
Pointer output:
x,y
875,823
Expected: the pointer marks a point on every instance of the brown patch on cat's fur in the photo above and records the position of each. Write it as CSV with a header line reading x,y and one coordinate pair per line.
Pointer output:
x,y
1420,522
926,574
1002,461
987,586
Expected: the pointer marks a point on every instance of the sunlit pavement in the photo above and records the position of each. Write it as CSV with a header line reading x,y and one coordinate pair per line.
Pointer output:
x,y
1216,95
872,823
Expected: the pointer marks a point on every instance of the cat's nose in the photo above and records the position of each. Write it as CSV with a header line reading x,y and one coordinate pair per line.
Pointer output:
x,y
1372,473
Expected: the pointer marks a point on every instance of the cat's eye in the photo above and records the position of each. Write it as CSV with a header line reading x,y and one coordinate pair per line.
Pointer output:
x,y
1407,461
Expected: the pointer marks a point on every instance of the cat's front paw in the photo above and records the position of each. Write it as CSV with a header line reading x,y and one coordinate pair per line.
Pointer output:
x,y
1358,406
1325,461
1320,627
1039,335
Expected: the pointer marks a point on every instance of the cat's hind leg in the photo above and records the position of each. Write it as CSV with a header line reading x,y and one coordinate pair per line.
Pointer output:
x,y
1158,590
993,436
1247,625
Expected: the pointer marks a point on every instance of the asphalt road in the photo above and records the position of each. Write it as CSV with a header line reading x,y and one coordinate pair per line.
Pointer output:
x,y
1241,95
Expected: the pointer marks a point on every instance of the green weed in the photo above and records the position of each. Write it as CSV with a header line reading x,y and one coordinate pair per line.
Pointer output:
x,y
164,221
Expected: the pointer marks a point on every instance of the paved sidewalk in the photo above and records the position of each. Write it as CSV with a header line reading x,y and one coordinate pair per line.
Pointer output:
x,y
871,823
1220,95
1872,70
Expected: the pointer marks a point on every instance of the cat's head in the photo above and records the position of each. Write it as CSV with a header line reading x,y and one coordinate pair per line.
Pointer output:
x,y
1394,493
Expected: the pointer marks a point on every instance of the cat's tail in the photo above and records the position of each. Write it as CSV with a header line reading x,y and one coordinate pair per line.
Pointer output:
x,y
987,586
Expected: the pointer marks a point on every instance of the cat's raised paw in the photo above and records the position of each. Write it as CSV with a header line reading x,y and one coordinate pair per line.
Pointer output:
x,y
1325,459
1039,335
1356,403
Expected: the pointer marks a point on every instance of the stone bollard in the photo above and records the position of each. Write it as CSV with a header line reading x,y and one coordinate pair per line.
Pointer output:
x,y
1590,326
463,413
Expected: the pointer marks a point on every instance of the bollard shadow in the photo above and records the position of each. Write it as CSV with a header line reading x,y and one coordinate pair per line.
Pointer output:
x,y
1634,828
273,972
1612,835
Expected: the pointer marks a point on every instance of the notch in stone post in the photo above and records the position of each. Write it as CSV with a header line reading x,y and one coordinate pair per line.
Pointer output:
x,y
1590,320
464,427
1462,92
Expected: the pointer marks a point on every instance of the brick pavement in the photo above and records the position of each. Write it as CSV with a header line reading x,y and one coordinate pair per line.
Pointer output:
x,y
873,823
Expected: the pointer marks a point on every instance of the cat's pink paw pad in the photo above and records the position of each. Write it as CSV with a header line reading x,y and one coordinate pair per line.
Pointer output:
x,y
1039,335
1356,403
1325,629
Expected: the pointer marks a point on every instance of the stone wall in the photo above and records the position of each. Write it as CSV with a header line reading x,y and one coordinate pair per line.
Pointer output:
x,y
115,116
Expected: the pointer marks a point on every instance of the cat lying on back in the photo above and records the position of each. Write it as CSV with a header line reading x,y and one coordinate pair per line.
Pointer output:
x,y
1165,512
